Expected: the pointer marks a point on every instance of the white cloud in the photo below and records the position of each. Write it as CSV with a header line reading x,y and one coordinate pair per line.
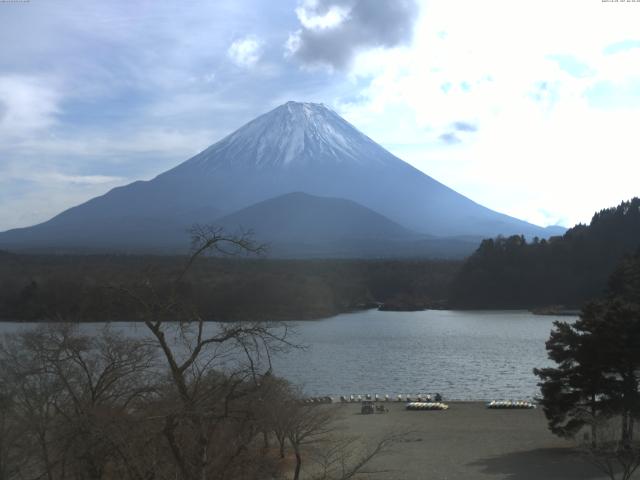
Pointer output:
x,y
27,104
245,52
333,17
292,45
543,150
76,179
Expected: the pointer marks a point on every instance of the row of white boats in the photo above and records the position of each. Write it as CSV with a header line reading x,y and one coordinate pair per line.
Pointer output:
x,y
511,404
387,398
427,406
494,404
418,401
315,400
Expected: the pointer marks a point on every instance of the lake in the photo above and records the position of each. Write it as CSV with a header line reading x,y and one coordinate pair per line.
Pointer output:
x,y
470,355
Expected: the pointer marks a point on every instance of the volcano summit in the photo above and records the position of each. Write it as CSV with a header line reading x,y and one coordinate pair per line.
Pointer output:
x,y
384,205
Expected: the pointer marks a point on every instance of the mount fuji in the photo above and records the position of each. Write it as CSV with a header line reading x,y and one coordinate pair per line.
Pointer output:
x,y
348,188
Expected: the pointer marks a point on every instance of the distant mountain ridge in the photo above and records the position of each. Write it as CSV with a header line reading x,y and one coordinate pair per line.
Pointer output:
x,y
297,147
300,217
302,225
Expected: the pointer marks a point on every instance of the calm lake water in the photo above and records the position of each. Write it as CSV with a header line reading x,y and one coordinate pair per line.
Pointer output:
x,y
462,355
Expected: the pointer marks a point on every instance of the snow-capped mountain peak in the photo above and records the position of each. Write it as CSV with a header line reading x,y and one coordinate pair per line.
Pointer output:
x,y
293,134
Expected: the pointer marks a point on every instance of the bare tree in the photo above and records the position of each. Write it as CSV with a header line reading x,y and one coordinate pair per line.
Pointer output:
x,y
307,425
343,458
314,431
277,399
213,368
617,458
10,433
71,393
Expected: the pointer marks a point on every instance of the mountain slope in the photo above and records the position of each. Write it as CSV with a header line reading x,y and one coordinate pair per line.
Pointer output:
x,y
299,217
297,147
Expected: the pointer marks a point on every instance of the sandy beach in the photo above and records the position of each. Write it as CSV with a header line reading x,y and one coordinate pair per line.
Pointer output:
x,y
468,441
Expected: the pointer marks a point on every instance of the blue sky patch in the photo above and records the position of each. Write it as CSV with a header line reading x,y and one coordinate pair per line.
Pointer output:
x,y
609,95
572,65
622,46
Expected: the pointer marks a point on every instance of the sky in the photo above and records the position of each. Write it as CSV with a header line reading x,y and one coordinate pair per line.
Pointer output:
x,y
531,108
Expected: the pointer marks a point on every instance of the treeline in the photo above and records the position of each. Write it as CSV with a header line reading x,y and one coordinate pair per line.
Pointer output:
x,y
79,288
564,271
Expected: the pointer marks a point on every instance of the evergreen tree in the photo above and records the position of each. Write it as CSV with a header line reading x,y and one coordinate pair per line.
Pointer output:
x,y
598,361
573,392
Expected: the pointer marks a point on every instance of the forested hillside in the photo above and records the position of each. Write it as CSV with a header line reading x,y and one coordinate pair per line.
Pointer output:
x,y
79,288
568,270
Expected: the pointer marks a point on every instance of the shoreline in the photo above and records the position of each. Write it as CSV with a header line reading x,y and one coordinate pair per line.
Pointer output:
x,y
314,318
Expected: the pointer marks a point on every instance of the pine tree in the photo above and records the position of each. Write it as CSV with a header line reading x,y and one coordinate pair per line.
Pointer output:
x,y
598,361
